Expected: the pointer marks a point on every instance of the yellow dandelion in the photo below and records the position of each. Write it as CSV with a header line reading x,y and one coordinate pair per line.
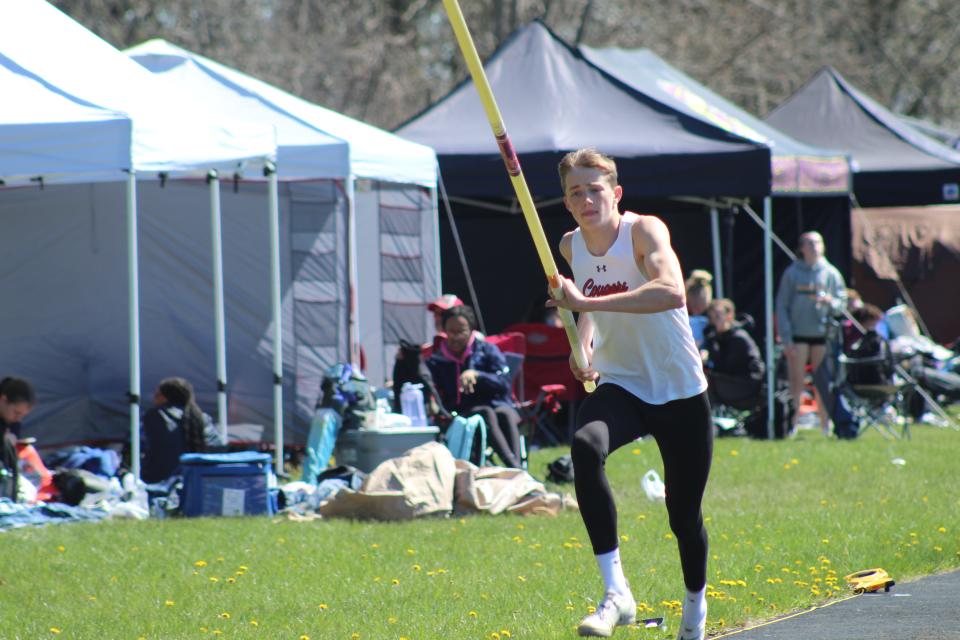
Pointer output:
x,y
521,526
374,546
225,615
505,633
392,620
411,552
231,580
517,539
472,614
642,516
395,582
569,607
825,540
169,603
200,563
522,578
242,567
937,548
214,579
636,452
61,549
377,578
668,536
624,538
354,636
417,567
254,623
323,606
494,635
54,630
217,632
942,529
304,637
794,461
786,465
734,453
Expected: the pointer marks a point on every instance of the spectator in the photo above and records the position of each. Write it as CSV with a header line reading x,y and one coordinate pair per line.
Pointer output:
x,y
871,349
441,304
174,426
17,398
699,287
811,292
729,349
471,377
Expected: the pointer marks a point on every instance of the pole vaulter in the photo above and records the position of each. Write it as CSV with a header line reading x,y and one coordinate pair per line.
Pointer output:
x,y
512,162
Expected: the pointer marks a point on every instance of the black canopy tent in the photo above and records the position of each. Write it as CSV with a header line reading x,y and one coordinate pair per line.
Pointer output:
x,y
900,173
810,185
553,101
894,163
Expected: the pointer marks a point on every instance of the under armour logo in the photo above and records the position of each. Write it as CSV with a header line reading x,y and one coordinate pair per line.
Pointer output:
x,y
601,267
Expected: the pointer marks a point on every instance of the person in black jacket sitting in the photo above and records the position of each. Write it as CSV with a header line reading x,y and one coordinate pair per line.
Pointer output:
x,y
471,376
731,358
175,425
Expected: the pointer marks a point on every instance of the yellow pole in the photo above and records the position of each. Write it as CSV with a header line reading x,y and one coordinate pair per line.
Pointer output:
x,y
469,51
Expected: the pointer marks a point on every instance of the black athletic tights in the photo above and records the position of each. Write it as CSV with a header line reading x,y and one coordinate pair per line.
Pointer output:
x,y
611,417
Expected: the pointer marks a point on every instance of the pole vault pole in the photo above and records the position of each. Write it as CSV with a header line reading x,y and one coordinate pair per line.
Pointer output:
x,y
512,162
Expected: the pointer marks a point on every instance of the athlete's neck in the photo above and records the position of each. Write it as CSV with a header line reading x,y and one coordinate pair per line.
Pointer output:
x,y
599,238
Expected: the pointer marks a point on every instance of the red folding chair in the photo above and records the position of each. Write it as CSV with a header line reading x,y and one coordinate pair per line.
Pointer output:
x,y
537,411
547,366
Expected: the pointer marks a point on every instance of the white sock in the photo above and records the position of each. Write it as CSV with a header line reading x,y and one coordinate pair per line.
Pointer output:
x,y
694,612
612,572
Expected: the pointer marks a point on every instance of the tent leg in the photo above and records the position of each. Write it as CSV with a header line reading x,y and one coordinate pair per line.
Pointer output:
x,y
213,181
133,306
768,306
273,203
717,264
353,330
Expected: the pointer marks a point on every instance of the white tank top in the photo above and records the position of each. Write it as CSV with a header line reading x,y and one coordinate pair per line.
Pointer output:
x,y
651,355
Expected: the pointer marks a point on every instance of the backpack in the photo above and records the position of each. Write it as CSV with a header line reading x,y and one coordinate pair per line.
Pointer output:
x,y
560,470
466,438
755,424
347,392
878,368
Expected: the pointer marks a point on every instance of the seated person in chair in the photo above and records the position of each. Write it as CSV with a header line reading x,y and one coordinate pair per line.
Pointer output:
x,y
731,358
175,425
870,361
471,377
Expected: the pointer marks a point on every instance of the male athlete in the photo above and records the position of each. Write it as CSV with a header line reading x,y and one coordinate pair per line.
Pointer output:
x,y
640,350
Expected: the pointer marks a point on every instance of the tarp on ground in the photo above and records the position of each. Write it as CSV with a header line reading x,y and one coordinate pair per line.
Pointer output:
x,y
798,168
396,258
921,247
894,163
553,101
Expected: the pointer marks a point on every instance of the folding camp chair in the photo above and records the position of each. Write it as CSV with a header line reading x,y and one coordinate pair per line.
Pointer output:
x,y
547,367
877,403
536,413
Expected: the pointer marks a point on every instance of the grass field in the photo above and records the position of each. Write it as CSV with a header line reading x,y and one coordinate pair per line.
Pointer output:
x,y
787,520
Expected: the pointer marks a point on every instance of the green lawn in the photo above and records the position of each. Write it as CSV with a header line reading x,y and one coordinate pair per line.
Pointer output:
x,y
787,521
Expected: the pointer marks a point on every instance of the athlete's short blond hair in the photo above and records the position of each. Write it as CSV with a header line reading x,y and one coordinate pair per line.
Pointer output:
x,y
591,158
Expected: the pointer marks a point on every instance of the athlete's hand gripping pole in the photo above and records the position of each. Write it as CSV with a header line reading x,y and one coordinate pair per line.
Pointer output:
x,y
469,51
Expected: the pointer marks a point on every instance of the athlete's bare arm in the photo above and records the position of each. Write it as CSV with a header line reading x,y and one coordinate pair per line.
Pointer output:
x,y
656,260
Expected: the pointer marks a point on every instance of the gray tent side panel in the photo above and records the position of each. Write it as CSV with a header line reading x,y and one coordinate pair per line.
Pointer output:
x,y
63,262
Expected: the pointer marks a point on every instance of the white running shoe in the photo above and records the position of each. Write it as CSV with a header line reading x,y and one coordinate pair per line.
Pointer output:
x,y
697,632
615,609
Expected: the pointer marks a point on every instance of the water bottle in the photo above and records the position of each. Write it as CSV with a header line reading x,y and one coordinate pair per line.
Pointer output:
x,y
411,404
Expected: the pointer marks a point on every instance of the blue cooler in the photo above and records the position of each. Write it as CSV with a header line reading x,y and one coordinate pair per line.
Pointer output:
x,y
226,484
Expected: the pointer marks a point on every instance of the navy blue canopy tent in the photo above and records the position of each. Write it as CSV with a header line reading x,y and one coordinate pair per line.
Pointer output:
x,y
894,164
553,101
810,185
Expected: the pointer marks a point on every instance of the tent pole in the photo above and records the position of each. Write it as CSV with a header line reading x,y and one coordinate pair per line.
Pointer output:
x,y
273,202
133,304
768,305
717,265
213,181
353,328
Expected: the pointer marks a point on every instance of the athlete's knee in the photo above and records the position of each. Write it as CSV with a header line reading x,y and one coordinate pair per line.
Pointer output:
x,y
587,446
686,525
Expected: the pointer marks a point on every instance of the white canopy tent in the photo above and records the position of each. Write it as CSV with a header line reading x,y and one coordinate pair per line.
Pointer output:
x,y
61,255
359,246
